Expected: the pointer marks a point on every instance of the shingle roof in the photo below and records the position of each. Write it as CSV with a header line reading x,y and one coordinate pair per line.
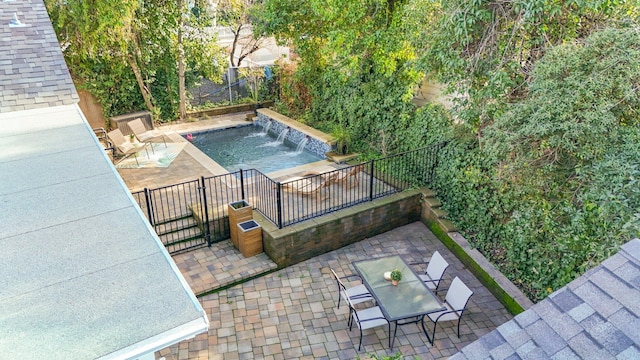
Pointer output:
x,y
594,317
33,73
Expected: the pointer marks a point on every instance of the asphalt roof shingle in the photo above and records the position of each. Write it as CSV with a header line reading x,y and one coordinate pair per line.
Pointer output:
x,y
33,73
593,317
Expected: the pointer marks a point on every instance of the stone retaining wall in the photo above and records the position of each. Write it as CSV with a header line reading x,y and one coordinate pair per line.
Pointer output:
x,y
502,288
311,238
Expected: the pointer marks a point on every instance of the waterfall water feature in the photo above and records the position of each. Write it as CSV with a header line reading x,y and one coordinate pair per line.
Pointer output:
x,y
282,136
267,126
302,144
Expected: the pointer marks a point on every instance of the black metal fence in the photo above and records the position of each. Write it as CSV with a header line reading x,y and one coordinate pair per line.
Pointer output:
x,y
194,213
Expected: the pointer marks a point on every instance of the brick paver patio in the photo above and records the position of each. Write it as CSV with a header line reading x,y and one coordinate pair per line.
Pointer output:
x,y
292,314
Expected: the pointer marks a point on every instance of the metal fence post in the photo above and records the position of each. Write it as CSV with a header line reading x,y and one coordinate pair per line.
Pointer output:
x,y
279,204
147,200
207,231
242,184
436,158
371,181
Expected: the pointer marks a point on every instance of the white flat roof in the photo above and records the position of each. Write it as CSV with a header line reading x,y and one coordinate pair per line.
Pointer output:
x,y
83,274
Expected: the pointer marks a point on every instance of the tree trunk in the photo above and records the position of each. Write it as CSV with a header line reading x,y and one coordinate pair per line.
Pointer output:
x,y
181,81
236,38
144,90
255,47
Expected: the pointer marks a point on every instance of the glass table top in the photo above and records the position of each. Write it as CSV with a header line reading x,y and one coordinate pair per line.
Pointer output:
x,y
409,298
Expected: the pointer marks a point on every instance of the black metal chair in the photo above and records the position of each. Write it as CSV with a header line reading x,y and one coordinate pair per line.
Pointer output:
x,y
455,302
357,294
368,318
432,276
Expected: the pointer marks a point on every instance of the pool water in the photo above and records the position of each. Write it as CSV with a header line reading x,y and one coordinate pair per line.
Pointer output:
x,y
248,147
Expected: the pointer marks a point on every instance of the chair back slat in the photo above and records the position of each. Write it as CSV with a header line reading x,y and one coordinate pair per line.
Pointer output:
x,y
117,137
137,126
458,295
352,309
341,286
437,266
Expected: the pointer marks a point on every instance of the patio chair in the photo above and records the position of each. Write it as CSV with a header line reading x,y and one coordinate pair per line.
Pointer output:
x,y
101,134
124,146
368,318
325,172
144,135
455,302
357,294
343,177
435,270
306,186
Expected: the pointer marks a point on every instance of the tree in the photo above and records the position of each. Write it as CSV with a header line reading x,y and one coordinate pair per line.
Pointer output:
x,y
356,59
554,190
94,29
182,90
583,99
98,37
485,51
236,15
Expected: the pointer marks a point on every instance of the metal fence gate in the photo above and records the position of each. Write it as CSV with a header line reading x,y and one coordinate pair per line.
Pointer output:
x,y
174,212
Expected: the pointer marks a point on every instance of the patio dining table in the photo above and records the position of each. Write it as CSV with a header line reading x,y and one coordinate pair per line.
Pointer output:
x,y
406,303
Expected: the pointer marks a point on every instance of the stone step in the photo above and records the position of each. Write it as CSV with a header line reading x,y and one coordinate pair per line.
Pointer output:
x,y
446,225
433,203
428,193
439,213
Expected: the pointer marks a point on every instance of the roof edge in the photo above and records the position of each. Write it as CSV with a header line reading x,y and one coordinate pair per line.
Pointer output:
x,y
632,250
173,336
161,341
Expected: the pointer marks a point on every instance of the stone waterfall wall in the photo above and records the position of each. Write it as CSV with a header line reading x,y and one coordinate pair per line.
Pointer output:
x,y
297,131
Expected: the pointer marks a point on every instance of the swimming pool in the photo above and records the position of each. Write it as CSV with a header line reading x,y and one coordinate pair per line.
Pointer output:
x,y
249,147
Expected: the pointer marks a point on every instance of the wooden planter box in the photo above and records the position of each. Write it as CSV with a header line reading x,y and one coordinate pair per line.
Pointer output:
x,y
249,238
239,211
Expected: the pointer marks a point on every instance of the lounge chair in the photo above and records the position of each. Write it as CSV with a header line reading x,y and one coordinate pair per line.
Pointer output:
x,y
101,134
306,185
124,146
344,176
144,135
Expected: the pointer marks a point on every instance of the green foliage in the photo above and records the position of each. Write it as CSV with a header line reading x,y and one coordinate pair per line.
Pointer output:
x,y
396,356
357,65
254,77
396,275
553,190
485,50
113,84
106,44
430,124
465,185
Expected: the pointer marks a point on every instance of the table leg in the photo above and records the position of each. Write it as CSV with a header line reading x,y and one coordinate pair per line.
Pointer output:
x,y
392,341
425,330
